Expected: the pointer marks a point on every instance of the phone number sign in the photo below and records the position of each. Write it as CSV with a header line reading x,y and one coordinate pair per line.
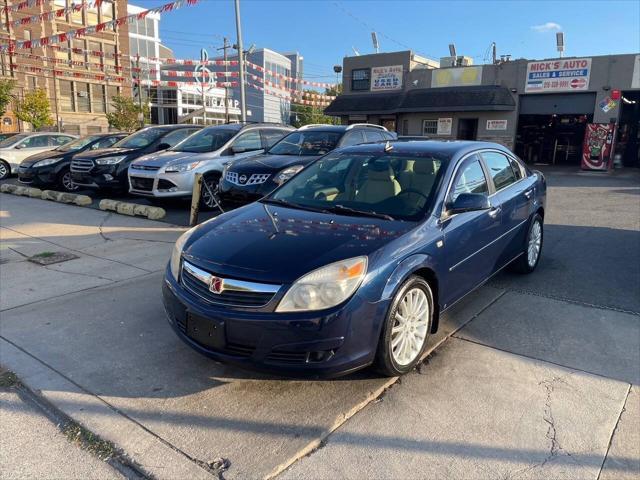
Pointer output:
x,y
563,75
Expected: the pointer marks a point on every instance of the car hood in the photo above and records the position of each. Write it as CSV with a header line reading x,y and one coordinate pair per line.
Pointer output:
x,y
107,152
160,159
270,163
27,162
273,244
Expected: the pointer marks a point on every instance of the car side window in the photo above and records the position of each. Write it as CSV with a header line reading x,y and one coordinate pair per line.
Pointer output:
x,y
353,138
499,169
175,137
57,140
517,169
272,136
248,141
36,142
469,179
104,143
373,136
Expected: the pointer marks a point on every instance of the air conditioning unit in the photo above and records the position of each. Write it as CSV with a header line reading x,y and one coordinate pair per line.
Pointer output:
x,y
83,94
457,61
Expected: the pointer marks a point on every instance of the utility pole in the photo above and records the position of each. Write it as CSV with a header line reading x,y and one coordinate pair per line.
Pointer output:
x,y
10,49
493,52
226,79
204,58
243,101
55,99
139,90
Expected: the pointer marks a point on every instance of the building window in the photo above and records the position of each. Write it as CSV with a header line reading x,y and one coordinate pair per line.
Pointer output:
x,y
76,15
150,27
109,50
32,82
92,15
112,92
107,12
83,98
97,98
94,47
360,79
67,101
79,54
430,127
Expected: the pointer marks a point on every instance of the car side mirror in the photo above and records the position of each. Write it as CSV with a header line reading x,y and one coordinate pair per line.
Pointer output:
x,y
163,146
19,146
468,202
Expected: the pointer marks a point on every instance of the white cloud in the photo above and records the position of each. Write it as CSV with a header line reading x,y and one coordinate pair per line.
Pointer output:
x,y
546,27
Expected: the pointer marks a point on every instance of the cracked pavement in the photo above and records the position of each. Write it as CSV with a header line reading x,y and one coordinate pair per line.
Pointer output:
x,y
530,377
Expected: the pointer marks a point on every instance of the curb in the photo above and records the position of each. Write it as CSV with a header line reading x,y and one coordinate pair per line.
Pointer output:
x,y
132,209
123,208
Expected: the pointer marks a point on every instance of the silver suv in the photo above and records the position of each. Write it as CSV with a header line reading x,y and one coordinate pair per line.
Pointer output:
x,y
171,173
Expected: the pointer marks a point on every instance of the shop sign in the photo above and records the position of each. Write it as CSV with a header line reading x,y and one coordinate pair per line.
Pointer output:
x,y
444,126
563,75
635,79
496,124
456,77
607,103
386,78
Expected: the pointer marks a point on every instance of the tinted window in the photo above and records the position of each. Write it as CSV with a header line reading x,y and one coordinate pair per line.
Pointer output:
x,y
353,138
469,179
177,136
307,143
59,139
105,142
271,137
141,138
373,136
248,141
77,144
499,169
7,142
206,140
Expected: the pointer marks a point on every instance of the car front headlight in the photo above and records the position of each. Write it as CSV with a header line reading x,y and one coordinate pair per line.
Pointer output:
x,y
110,160
181,167
44,163
177,252
287,173
325,287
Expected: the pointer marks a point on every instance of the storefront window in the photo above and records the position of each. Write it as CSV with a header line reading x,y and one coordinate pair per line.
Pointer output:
x,y
360,79
429,127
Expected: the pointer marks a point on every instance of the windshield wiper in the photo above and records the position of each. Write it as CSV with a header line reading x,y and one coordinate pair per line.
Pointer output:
x,y
285,203
361,213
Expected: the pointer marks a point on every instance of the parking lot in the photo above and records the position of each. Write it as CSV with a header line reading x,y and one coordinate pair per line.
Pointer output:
x,y
529,377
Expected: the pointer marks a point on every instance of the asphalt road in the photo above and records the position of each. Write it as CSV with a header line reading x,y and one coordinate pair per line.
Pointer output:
x,y
530,377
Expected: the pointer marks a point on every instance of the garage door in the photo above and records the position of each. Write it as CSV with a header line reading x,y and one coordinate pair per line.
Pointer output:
x,y
573,103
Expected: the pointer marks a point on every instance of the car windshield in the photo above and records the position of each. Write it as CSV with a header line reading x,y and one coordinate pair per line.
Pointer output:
x,y
306,143
78,144
7,142
390,186
142,138
206,140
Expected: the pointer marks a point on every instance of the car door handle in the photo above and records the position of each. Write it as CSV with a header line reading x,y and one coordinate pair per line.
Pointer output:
x,y
528,193
493,213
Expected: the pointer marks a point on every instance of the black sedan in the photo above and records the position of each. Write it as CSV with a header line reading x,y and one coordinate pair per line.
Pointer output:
x,y
52,168
107,168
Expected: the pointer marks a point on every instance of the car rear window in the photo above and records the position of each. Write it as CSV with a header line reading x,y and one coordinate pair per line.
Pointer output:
x,y
303,142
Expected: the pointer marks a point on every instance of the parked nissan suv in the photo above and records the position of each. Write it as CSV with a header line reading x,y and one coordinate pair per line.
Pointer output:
x,y
171,173
106,168
247,180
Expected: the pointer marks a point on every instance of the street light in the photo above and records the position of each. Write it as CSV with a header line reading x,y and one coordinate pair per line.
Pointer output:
x,y
243,100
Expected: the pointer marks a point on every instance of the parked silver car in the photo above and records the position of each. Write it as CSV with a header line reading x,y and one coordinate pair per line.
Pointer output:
x,y
15,149
171,173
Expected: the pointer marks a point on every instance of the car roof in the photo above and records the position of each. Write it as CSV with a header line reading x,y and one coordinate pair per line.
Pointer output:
x,y
446,148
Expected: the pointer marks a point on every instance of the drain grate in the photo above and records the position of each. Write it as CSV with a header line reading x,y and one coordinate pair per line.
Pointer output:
x,y
49,258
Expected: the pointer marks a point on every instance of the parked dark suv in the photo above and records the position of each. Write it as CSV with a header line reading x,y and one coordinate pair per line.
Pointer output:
x,y
107,167
250,179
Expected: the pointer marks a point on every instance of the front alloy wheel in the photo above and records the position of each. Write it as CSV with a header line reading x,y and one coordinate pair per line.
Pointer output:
x,y
5,170
66,183
209,194
407,327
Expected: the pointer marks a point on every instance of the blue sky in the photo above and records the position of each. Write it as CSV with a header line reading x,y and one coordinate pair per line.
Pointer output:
x,y
325,31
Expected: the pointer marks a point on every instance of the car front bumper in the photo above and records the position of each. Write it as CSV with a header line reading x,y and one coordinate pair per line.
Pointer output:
x,y
233,194
343,339
37,176
161,185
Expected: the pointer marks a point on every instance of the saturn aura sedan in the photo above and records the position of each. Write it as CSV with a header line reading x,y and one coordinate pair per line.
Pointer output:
x,y
353,261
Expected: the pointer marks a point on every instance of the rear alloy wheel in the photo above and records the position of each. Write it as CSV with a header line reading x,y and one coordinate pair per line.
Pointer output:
x,y
209,194
5,170
406,329
530,256
66,183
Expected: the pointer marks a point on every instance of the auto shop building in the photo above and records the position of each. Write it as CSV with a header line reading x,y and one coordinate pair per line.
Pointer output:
x,y
542,109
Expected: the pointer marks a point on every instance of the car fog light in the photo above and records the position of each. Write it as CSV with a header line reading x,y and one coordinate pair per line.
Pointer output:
x,y
108,177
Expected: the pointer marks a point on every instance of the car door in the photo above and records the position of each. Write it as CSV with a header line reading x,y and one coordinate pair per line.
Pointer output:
x,y
31,146
469,238
246,144
271,136
514,195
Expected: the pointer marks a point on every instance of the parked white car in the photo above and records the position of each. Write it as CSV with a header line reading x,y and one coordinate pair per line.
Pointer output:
x,y
171,173
14,150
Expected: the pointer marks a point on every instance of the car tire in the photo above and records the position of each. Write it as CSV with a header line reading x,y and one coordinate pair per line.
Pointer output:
x,y
209,187
5,170
398,352
530,256
65,183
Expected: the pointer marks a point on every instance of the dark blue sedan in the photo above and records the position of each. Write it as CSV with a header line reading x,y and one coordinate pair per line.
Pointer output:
x,y
353,260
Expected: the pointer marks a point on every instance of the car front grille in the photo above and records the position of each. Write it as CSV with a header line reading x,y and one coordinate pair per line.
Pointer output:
x,y
245,179
81,165
141,183
144,167
289,357
257,295
165,184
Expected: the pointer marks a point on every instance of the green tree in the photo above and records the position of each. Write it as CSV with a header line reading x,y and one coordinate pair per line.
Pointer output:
x,y
6,87
306,114
34,108
125,115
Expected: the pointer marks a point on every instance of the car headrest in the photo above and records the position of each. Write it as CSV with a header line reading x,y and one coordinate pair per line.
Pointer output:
x,y
423,167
